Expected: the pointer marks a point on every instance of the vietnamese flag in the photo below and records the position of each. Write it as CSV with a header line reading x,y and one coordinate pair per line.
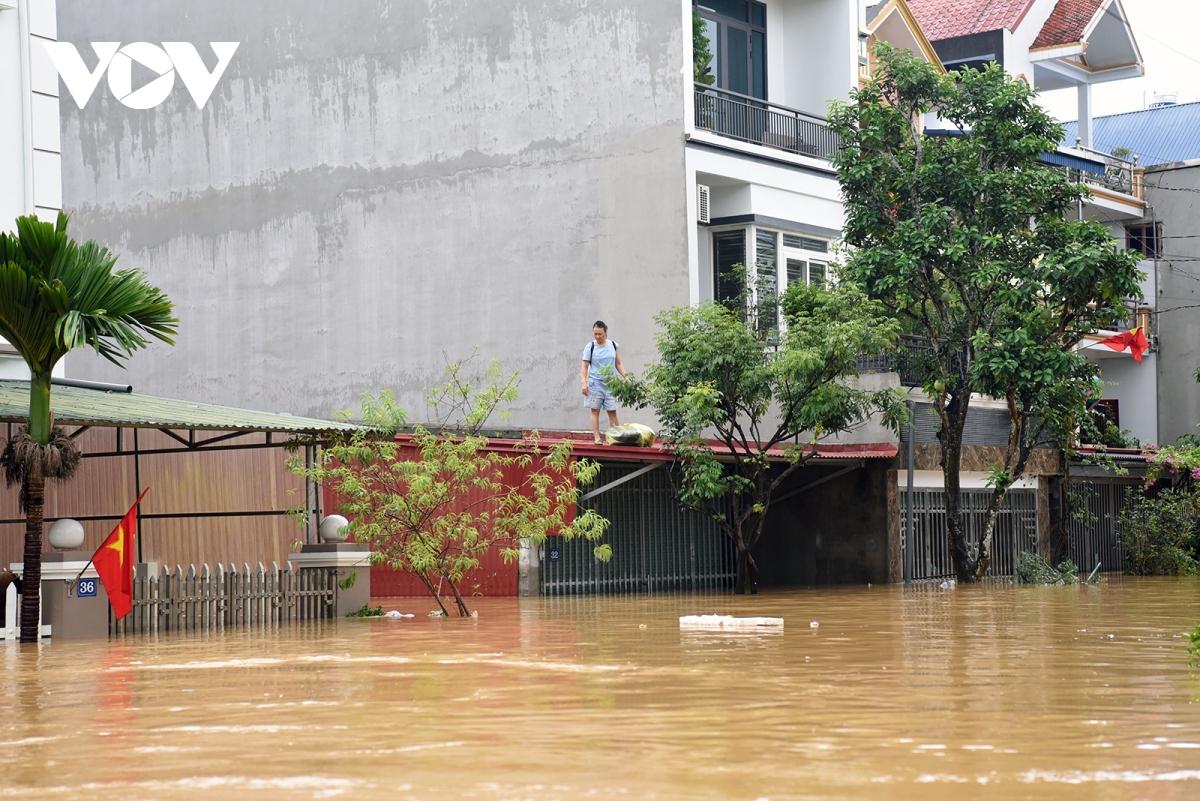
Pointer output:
x,y
1135,340
113,561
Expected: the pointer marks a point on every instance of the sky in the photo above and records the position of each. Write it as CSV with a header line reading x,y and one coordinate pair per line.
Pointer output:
x,y
1166,32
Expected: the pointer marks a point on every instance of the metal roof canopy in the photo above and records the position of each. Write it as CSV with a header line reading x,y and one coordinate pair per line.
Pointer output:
x,y
89,407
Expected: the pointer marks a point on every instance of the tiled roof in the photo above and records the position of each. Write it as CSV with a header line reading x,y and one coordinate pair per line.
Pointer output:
x,y
946,19
1067,22
1155,136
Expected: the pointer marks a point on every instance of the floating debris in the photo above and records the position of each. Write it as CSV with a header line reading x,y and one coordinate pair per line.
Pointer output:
x,y
728,622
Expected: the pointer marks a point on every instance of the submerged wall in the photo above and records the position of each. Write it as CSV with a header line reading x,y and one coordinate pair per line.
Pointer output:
x,y
376,182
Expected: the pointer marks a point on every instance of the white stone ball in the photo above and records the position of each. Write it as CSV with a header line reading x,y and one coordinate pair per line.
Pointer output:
x,y
334,529
65,535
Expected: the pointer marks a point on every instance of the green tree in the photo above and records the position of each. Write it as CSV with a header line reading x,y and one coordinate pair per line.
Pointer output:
x,y
766,395
701,56
433,502
56,295
966,239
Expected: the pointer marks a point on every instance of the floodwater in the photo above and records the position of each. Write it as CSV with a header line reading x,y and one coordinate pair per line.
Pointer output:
x,y
918,693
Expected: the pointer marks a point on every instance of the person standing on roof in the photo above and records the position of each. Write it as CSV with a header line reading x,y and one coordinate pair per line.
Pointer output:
x,y
600,352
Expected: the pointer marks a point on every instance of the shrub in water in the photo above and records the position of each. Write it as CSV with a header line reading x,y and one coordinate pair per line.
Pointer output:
x,y
1157,534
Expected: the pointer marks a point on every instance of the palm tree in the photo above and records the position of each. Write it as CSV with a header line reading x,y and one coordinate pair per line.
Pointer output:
x,y
55,295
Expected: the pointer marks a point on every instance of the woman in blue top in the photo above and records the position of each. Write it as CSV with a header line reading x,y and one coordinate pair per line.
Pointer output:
x,y
600,352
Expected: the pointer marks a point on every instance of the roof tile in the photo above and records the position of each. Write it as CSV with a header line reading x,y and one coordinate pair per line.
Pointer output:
x,y
1067,22
946,19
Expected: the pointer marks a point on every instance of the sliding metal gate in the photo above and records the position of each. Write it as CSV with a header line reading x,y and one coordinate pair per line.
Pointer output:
x,y
656,546
1095,536
927,548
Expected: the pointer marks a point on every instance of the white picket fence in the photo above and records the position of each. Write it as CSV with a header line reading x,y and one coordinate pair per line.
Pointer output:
x,y
210,600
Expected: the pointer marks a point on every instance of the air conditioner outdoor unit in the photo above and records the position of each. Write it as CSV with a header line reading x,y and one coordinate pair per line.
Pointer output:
x,y
702,204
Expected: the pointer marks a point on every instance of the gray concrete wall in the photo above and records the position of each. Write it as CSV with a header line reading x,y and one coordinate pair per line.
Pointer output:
x,y
1177,205
375,182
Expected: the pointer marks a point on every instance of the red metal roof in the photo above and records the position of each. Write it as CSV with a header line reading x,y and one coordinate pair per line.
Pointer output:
x,y
946,19
1067,22
581,445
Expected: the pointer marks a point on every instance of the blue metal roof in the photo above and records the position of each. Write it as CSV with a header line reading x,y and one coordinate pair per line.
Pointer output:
x,y
1154,135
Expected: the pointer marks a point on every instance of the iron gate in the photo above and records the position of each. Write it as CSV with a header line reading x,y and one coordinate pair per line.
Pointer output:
x,y
927,548
656,546
1095,536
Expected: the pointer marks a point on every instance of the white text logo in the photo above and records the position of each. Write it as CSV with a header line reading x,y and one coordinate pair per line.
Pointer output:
x,y
164,61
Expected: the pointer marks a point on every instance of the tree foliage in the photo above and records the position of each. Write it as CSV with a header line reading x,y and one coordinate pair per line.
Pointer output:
x,y
701,55
970,241
766,397
57,295
434,499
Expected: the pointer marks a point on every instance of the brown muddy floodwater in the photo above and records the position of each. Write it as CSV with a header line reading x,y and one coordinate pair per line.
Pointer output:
x,y
920,693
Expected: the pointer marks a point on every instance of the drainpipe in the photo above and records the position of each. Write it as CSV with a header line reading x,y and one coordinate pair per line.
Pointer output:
x,y
1084,91
908,511
26,101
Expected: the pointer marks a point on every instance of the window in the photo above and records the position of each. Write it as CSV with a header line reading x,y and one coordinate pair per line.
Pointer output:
x,y
766,284
737,36
1145,239
729,259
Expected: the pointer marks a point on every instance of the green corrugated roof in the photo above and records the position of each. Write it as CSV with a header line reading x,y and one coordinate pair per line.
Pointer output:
x,y
93,407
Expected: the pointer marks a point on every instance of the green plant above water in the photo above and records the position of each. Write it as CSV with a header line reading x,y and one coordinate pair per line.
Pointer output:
x,y
1157,534
367,611
1034,569
1194,647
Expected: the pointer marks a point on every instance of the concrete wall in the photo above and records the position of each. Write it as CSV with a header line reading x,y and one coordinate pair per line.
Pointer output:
x,y
375,182
835,533
1177,205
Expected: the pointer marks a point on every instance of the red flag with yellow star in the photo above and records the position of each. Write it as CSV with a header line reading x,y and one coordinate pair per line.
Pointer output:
x,y
113,561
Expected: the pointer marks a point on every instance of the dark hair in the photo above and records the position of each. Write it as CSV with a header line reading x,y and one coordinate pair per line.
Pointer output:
x,y
600,324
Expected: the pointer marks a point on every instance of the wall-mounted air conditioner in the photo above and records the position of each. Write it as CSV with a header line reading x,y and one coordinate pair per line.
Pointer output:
x,y
702,204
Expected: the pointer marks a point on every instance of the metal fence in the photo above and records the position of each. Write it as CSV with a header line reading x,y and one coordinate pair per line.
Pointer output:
x,y
750,119
222,599
927,547
1094,533
657,547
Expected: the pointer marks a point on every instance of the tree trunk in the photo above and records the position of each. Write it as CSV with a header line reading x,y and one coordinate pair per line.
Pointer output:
x,y
432,591
31,581
950,437
747,571
458,599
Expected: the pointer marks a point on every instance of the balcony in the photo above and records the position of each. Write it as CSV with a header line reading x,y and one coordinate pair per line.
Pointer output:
x,y
1117,178
759,122
910,360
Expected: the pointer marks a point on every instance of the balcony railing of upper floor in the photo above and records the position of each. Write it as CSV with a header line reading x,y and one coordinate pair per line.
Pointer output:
x,y
759,122
1119,174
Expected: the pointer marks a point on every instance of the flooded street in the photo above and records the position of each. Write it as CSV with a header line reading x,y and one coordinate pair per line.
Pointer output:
x,y
1000,692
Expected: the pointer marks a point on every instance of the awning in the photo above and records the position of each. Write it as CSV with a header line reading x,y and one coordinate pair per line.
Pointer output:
x,y
1074,162
85,407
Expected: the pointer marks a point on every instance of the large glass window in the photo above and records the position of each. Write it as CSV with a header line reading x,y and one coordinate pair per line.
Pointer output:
x,y
729,260
737,35
766,281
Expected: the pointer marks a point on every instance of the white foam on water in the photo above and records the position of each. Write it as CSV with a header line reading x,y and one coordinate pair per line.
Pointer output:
x,y
268,728
1084,777
930,778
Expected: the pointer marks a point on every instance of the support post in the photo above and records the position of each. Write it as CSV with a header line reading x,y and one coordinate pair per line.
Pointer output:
x,y
1084,91
908,497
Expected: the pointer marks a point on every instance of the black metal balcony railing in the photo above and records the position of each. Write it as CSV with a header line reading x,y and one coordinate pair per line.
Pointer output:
x,y
759,122
910,360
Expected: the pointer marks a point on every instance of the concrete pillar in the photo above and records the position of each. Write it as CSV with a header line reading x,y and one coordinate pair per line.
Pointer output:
x,y
83,612
529,571
346,558
1085,114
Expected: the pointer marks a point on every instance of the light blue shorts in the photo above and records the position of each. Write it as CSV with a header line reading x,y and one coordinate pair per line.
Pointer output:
x,y
600,398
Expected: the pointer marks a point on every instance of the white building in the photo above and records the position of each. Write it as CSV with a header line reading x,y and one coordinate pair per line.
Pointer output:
x,y
30,160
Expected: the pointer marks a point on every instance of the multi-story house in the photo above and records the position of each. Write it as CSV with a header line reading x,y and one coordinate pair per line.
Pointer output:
x,y
30,171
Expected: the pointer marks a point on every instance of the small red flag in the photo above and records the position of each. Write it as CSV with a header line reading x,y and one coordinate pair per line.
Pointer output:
x,y
1135,340
113,561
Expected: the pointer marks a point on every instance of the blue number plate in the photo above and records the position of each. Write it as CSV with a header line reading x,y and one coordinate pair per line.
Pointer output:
x,y
86,588
555,554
